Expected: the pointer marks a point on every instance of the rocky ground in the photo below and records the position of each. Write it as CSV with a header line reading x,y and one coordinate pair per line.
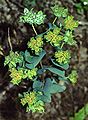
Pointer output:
x,y
63,105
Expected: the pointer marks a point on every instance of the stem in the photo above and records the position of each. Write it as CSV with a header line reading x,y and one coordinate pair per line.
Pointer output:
x,y
41,64
62,45
9,40
55,20
34,29
15,34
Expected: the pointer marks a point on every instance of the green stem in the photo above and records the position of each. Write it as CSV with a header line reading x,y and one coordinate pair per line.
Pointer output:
x,y
37,34
55,20
34,29
62,45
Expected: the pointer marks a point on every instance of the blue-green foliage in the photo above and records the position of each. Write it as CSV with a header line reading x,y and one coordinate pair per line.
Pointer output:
x,y
34,60
29,64
63,66
48,88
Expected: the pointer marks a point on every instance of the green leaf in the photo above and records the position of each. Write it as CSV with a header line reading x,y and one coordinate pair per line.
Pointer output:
x,y
64,66
29,66
41,71
51,87
45,98
47,89
35,60
37,85
28,57
56,71
82,113
53,70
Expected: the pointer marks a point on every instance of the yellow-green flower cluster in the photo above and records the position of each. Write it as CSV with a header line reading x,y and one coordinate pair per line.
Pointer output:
x,y
16,75
56,30
62,56
73,76
32,101
12,59
53,37
31,73
70,23
36,44
59,11
20,74
32,17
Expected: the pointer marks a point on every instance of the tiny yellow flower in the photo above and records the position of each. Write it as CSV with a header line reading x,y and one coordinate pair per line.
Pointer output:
x,y
62,56
16,76
70,23
56,30
73,76
36,44
32,73
53,37
32,102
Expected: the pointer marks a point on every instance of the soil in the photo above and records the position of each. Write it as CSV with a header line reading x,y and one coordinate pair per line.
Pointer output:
x,y
64,105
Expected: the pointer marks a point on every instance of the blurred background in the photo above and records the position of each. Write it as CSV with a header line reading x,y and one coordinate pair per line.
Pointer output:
x,y
63,105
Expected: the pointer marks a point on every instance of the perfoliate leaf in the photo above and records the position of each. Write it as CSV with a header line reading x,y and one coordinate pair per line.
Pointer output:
x,y
53,70
37,85
35,60
51,87
41,71
64,66
28,57
56,71
46,99
47,89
